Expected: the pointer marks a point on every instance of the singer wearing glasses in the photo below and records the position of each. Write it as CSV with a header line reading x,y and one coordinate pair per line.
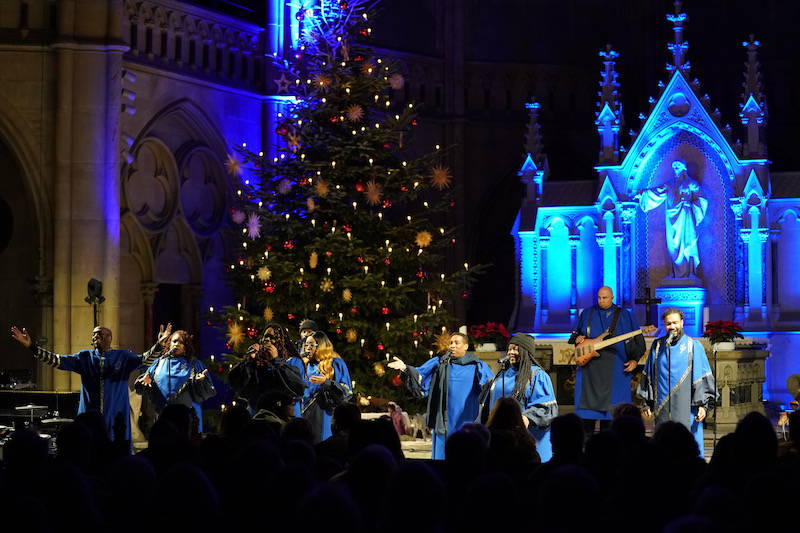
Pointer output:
x,y
104,374
328,381
677,383
522,378
178,377
452,384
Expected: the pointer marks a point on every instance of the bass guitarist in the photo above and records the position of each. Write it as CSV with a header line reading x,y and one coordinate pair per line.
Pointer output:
x,y
603,379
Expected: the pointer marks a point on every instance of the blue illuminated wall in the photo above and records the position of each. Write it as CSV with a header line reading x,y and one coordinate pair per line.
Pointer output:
x,y
748,242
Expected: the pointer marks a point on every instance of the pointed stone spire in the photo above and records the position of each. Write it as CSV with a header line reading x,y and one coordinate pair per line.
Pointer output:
x,y
535,168
679,46
609,118
754,106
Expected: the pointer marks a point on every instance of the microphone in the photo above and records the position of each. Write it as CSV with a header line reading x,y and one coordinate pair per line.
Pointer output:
x,y
672,336
447,355
503,361
169,352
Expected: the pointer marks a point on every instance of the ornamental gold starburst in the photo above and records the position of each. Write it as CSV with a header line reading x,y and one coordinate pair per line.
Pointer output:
x,y
367,67
378,369
350,335
268,314
313,260
322,188
264,273
293,142
311,204
441,177
373,193
424,238
233,165
442,342
354,113
347,295
235,334
326,285
321,80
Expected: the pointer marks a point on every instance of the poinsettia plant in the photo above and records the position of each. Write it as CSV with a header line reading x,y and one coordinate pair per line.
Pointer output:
x,y
722,331
493,332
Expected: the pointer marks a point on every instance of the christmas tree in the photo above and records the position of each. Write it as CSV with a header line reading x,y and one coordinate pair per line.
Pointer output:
x,y
347,225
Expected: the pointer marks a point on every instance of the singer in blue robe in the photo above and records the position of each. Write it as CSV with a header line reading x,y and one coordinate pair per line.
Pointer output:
x,y
452,384
329,384
104,374
178,377
605,381
677,383
533,389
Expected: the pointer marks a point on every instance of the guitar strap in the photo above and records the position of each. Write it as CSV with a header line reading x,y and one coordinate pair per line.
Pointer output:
x,y
611,329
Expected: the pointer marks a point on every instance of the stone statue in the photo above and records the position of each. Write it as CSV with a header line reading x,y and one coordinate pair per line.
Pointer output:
x,y
684,210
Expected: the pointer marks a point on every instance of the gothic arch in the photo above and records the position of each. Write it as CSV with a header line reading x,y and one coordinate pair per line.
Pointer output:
x,y
137,245
20,140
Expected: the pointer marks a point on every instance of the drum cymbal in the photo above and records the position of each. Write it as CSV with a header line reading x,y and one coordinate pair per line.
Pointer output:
x,y
30,407
56,420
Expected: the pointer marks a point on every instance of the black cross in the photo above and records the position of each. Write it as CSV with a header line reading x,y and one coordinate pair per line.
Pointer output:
x,y
648,300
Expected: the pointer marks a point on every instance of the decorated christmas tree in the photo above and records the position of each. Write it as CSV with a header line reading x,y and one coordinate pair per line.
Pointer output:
x,y
347,225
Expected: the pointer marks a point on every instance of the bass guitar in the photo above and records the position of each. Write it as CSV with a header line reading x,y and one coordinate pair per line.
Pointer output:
x,y
589,348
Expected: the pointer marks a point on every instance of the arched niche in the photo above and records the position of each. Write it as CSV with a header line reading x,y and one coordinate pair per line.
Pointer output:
x,y
559,272
787,291
587,263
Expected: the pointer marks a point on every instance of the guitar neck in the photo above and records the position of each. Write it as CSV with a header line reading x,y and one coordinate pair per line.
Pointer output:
x,y
613,340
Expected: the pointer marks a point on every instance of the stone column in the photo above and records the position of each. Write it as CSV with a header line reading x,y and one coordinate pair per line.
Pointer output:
x,y
87,196
148,291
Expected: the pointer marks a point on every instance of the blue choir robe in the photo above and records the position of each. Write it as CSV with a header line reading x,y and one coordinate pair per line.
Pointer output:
x,y
603,382
463,391
117,367
538,403
174,383
676,381
319,401
300,366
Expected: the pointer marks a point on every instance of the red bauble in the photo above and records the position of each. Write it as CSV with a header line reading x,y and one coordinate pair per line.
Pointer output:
x,y
387,261
347,227
396,381
290,316
404,188
269,287
415,334
420,274
387,203
338,331
288,245
358,58
360,259
282,130
452,204
343,5
353,310
363,32
360,187
229,320
465,295
269,247
334,119
385,310
387,145
328,253
305,284
380,347
414,122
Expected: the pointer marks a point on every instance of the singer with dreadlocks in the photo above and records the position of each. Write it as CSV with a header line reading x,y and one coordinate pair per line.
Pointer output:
x,y
270,366
177,377
452,384
522,378
677,383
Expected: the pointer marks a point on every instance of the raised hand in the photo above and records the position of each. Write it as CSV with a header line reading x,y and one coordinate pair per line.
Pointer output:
x,y
202,375
147,380
397,364
164,333
21,336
